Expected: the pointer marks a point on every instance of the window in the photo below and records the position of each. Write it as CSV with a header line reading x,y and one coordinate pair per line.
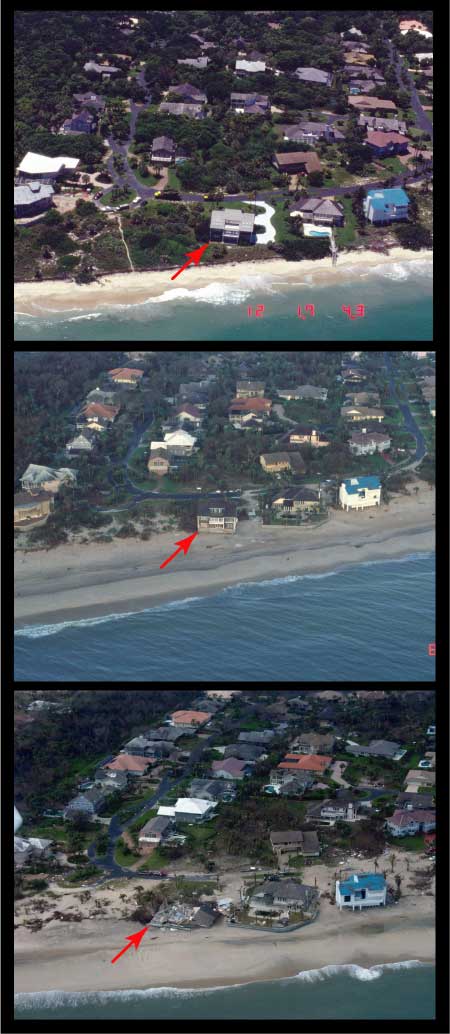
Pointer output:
x,y
347,897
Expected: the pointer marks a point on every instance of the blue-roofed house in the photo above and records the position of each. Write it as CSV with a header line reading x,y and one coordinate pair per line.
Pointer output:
x,y
359,493
385,206
364,890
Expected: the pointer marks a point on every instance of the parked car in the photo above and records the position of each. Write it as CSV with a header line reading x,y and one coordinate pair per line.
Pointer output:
x,y
98,194
168,195
213,197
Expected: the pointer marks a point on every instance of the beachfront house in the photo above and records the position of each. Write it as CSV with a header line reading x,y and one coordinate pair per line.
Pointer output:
x,y
386,206
358,413
294,842
319,210
39,167
297,161
125,375
232,226
279,898
155,830
218,516
405,823
47,479
291,501
366,442
275,461
32,509
360,493
32,198
365,890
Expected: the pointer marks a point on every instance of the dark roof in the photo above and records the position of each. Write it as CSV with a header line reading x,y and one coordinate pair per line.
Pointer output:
x,y
293,836
305,495
159,824
205,916
227,509
261,736
286,888
31,498
419,800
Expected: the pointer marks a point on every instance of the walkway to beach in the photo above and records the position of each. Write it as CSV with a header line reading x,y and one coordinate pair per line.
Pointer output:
x,y
264,218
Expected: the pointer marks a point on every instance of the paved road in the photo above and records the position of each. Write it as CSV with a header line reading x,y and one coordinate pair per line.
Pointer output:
x,y
422,118
108,863
410,423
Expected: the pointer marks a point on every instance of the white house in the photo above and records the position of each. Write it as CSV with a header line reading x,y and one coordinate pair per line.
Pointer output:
x,y
386,206
250,66
46,478
360,493
38,166
361,891
180,443
406,823
193,809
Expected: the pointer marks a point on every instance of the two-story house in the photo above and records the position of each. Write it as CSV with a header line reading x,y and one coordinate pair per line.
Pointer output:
x,y
218,516
356,414
360,493
407,823
32,509
296,500
366,442
47,479
386,206
158,462
125,375
365,890
250,389
308,436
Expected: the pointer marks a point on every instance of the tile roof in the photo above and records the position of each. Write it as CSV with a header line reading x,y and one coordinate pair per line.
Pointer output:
x,y
126,370
129,763
379,139
190,717
251,405
231,765
363,101
307,762
98,409
402,817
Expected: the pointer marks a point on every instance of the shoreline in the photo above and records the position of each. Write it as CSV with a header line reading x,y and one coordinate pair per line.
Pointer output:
x,y
74,582
136,288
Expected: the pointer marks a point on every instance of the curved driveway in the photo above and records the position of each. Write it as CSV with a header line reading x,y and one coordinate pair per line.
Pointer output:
x,y
410,423
422,117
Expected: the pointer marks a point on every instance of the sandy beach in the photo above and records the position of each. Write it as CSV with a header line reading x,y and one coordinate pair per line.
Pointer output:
x,y
53,959
134,288
82,581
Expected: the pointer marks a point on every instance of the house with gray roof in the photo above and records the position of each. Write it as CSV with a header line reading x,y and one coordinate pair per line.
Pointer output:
x,y
188,94
163,149
89,99
139,746
107,70
330,811
111,779
194,62
156,830
261,737
318,210
249,103
383,125
377,748
283,896
212,789
190,110
313,75
232,226
32,198
311,132
294,842
243,751
88,803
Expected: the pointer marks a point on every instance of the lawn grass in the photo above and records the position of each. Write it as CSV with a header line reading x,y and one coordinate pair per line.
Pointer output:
x,y
198,835
347,234
154,861
173,181
129,195
48,830
147,181
338,177
281,220
416,843
140,822
124,858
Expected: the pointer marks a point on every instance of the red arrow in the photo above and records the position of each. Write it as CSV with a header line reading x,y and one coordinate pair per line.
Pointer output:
x,y
134,938
182,544
193,256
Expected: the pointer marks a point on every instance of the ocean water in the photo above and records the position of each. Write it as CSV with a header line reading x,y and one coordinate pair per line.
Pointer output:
x,y
369,622
402,990
397,297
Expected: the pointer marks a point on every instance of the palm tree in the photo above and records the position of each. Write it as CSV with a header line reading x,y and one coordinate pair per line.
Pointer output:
x,y
375,864
392,859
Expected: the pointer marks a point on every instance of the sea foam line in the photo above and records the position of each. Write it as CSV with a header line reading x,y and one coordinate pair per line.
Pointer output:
x,y
55,999
39,631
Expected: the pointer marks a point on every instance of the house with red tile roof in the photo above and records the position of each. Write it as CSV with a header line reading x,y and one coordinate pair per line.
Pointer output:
x,y
190,719
97,409
385,144
189,413
125,375
406,823
306,763
130,763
